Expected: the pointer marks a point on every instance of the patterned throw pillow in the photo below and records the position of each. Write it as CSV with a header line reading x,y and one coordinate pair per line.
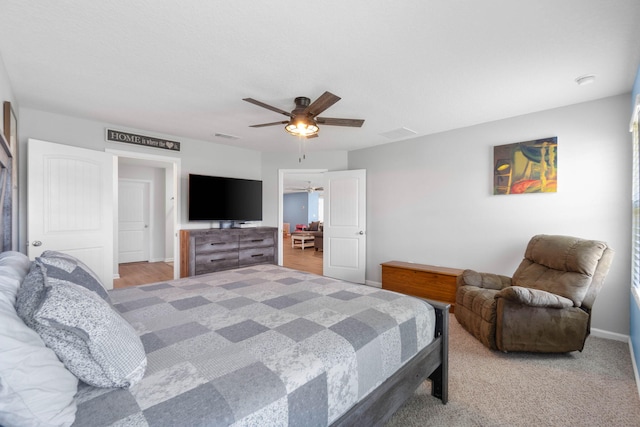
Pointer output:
x,y
93,341
30,294
64,267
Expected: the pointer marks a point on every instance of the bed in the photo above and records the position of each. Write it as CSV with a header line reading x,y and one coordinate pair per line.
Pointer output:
x,y
260,345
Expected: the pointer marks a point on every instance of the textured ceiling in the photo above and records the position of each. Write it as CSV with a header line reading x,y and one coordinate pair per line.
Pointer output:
x,y
183,67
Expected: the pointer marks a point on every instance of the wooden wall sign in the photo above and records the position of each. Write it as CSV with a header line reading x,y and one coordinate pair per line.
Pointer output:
x,y
147,141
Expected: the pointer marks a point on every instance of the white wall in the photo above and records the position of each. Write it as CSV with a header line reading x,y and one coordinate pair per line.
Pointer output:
x,y
196,156
429,199
6,93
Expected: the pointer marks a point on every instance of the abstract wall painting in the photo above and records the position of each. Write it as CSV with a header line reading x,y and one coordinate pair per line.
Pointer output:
x,y
526,167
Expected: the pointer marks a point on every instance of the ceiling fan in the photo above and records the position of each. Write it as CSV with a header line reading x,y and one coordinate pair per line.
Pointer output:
x,y
303,120
309,188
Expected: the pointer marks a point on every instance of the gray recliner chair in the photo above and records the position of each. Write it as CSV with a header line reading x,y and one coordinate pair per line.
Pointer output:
x,y
546,305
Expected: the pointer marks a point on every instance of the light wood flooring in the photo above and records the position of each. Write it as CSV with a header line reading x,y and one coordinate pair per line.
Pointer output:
x,y
141,273
308,260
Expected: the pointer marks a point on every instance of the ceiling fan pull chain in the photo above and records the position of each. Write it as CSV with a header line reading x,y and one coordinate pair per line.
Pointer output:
x,y
304,148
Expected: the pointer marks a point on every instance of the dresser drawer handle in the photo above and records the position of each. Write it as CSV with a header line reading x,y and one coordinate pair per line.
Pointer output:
x,y
256,255
257,240
216,243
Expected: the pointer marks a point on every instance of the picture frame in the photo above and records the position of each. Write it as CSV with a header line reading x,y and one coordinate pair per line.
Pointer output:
x,y
7,234
526,167
10,125
11,140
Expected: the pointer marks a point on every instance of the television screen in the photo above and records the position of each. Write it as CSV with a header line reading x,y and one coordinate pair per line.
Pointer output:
x,y
215,198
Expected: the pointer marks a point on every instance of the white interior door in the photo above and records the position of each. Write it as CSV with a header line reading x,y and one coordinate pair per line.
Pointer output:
x,y
133,221
345,239
70,204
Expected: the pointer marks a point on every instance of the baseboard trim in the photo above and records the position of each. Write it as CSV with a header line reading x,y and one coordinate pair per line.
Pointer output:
x,y
373,284
600,333
168,260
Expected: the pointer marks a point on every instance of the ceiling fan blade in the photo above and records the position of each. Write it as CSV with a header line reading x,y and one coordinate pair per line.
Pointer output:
x,y
269,124
267,106
325,101
356,123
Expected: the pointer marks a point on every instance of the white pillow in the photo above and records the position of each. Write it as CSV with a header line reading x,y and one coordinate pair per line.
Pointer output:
x,y
14,266
35,387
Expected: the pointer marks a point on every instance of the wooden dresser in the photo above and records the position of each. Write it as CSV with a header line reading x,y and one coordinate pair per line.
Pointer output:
x,y
426,281
214,249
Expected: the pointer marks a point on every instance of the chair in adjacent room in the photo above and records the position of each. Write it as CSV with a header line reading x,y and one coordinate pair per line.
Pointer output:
x,y
546,305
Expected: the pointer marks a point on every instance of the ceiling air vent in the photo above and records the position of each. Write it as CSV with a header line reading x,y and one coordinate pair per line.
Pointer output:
x,y
226,136
399,133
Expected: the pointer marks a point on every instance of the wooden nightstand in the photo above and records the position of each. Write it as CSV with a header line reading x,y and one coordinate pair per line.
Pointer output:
x,y
420,280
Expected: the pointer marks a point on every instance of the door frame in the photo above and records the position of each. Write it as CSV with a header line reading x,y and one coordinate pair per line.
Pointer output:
x,y
281,174
163,161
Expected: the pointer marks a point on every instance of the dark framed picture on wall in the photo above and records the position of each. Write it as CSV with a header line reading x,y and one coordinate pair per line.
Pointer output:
x,y
10,124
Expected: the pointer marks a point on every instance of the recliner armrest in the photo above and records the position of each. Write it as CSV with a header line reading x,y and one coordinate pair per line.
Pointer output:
x,y
483,280
534,297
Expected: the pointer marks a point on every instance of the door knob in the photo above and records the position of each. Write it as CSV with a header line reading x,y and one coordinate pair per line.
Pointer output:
x,y
36,243
361,232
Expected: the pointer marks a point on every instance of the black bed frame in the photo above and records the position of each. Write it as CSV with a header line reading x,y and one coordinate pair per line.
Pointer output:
x,y
432,362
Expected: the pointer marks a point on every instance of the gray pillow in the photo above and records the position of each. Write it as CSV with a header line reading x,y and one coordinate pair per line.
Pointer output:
x,y
65,267
30,294
93,341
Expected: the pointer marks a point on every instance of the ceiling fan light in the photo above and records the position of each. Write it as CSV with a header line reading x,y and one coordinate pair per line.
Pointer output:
x,y
302,127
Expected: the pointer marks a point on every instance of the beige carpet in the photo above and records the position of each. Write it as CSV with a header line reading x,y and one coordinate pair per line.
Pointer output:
x,y
595,387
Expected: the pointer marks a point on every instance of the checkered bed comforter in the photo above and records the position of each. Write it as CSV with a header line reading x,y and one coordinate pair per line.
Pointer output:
x,y
258,346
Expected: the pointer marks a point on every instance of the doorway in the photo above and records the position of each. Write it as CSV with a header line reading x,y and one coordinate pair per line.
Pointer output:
x,y
344,228
162,173
300,203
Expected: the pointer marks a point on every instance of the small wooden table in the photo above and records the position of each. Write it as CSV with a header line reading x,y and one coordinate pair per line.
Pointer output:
x,y
302,240
421,280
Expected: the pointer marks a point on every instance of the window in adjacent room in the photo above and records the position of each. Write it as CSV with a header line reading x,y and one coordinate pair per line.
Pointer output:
x,y
321,208
635,227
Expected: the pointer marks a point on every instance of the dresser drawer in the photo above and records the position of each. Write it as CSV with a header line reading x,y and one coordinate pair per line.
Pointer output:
x,y
208,263
257,240
256,256
215,243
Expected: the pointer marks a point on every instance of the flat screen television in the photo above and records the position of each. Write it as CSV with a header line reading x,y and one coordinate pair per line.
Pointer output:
x,y
216,198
